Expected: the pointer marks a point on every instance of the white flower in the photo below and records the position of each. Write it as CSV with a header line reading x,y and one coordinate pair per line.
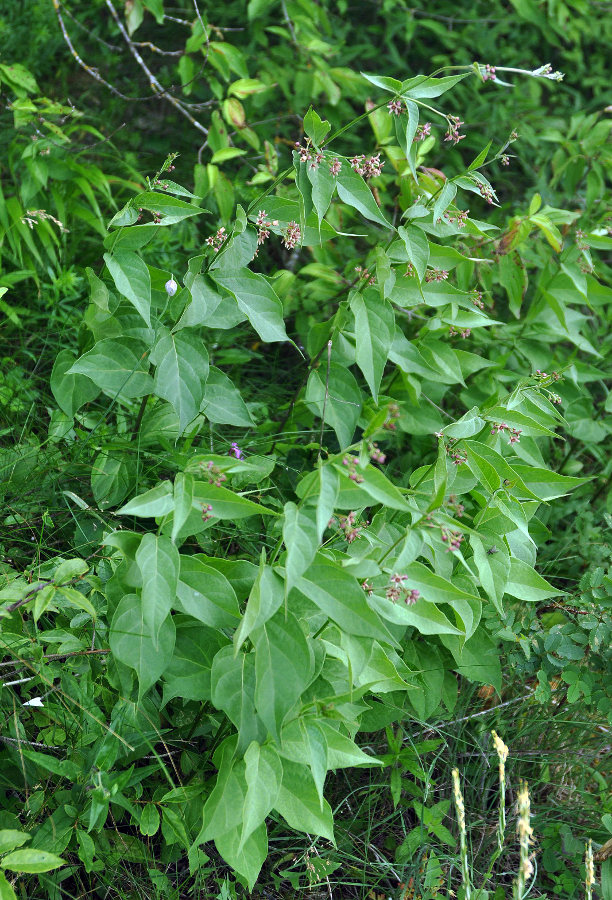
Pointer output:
x,y
34,701
171,287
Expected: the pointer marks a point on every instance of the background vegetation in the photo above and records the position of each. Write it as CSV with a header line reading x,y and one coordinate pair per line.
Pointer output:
x,y
119,117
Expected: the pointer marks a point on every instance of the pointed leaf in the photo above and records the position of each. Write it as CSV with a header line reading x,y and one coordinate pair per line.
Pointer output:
x,y
158,561
132,644
182,369
117,366
132,280
258,301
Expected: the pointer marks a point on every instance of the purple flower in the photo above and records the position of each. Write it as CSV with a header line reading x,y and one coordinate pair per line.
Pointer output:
x,y
235,450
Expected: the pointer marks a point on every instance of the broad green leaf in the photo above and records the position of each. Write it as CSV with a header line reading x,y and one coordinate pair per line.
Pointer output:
x,y
149,820
246,858
444,200
181,362
374,332
225,503
405,130
158,561
377,486
132,644
322,485
354,191
188,673
263,773
384,82
314,127
513,277
284,664
299,805
6,891
31,861
301,540
169,208
111,477
526,584
478,161
10,839
264,600
417,248
342,752
303,741
422,615
233,691
545,484
323,186
223,403
339,596
422,86
156,502
258,301
339,398
70,391
117,367
184,485
493,565
491,469
132,279
206,594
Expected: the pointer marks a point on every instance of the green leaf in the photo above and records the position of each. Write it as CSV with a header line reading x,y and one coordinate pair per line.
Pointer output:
x,y
248,858
314,127
31,861
342,752
132,644
476,163
117,367
323,186
226,504
263,773
301,540
132,279
339,596
284,664
156,502
170,208
384,82
299,805
525,583
417,248
493,565
6,891
182,369
266,597
233,690
189,671
206,594
258,301
378,487
303,741
9,839
353,191
374,332
149,820
322,485
70,391
545,484
222,402
344,399
111,477
158,561
444,200
421,87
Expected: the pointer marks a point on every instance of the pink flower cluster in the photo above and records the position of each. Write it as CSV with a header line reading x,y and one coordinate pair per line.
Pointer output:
x,y
217,240
206,512
215,475
396,590
376,454
514,434
452,134
263,226
477,300
422,132
395,107
307,155
454,539
351,464
348,524
335,166
489,73
464,333
459,457
453,503
486,192
410,271
368,167
436,275
393,414
292,235
460,218
365,274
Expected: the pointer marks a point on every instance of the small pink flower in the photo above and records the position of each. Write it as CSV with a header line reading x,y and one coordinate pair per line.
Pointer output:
x,y
395,107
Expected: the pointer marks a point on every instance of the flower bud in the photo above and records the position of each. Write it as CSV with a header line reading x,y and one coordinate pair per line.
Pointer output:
x,y
171,287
